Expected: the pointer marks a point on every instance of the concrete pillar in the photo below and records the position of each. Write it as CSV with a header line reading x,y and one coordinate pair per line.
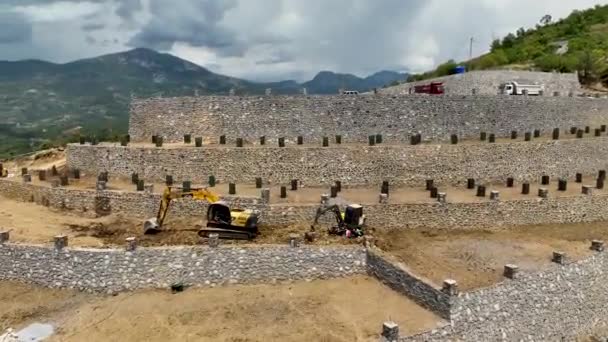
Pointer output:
x,y
41,175
562,184
198,141
450,287
140,185
471,183
573,130
383,198
338,185
222,140
556,134
258,182
601,174
579,177
481,191
598,132
390,332
441,197
76,173
483,136
325,141
149,188
434,192
214,240
587,129
543,193
511,271
527,136
510,182
494,195
281,142
284,192
131,244
544,180
187,138
294,184
587,190
492,138
294,240
101,185
134,178
239,142
231,189
61,241
379,139
599,184
4,236
372,140
168,180
559,257
525,188
537,133
262,140
513,135
596,245
429,184
300,140
579,133
265,195
603,128
454,139
333,191
211,181
338,139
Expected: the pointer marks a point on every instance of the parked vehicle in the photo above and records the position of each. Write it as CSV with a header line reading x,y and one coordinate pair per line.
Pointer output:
x,y
434,88
515,88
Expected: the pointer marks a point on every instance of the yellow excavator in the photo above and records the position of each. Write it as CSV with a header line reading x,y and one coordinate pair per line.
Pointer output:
x,y
227,223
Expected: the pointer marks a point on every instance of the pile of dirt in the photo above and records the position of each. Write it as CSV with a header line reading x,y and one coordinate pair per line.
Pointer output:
x,y
476,258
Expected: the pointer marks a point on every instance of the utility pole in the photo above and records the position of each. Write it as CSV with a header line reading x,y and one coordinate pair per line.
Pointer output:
x,y
471,49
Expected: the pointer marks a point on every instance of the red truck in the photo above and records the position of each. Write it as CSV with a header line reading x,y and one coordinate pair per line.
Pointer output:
x,y
434,88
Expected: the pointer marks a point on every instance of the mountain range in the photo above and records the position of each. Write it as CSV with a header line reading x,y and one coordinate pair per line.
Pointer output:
x,y
46,103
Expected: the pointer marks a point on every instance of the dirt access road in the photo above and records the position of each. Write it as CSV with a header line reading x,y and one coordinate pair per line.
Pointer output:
x,y
350,309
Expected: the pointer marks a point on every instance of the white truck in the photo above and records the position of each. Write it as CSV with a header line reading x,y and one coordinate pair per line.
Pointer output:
x,y
515,88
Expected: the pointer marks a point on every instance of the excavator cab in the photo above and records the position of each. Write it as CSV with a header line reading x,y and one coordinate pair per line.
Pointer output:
x,y
220,213
353,215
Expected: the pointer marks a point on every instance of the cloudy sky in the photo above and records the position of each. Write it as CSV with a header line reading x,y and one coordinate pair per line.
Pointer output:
x,y
271,39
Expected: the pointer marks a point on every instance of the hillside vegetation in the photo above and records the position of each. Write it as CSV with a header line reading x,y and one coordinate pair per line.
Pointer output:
x,y
45,104
576,43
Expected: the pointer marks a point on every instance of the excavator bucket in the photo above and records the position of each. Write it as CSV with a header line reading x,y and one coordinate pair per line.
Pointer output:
x,y
151,226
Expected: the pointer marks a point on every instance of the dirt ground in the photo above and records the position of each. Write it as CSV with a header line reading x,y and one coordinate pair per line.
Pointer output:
x,y
32,223
350,309
476,258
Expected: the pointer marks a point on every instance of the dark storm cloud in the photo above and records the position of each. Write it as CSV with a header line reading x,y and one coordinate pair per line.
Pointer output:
x,y
194,22
279,57
93,27
127,8
14,28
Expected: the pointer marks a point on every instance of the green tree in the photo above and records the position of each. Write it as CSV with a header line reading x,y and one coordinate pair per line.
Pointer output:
x,y
546,19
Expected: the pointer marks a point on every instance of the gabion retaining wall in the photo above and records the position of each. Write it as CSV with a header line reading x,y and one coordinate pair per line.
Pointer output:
x,y
357,117
351,164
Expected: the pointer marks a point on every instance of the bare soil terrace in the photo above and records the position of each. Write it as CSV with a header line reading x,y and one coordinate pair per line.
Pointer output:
x,y
349,309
